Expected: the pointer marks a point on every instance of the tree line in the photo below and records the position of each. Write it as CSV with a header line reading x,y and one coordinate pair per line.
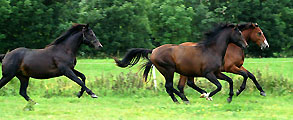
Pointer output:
x,y
124,24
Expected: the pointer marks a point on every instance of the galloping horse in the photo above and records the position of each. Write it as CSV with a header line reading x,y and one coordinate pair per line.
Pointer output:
x,y
203,60
234,59
56,59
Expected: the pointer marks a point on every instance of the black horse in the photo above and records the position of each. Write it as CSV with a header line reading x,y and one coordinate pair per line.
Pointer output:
x,y
56,59
204,60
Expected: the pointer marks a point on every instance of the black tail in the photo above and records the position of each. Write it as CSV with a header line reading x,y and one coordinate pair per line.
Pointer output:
x,y
132,57
1,57
148,66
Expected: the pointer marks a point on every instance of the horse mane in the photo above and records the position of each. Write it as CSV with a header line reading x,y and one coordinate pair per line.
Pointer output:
x,y
245,26
75,28
210,35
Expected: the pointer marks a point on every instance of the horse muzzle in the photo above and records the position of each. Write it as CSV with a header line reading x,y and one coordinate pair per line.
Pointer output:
x,y
264,45
98,45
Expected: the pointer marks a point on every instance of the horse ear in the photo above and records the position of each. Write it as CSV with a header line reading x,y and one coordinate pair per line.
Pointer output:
x,y
256,25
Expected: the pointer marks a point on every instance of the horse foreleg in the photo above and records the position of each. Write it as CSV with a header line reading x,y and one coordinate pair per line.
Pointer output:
x,y
212,78
229,80
82,76
191,84
181,83
70,74
251,76
242,72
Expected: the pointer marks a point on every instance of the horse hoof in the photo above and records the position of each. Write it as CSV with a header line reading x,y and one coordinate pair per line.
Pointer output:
x,y
209,98
94,96
229,100
176,102
78,95
186,102
263,93
237,92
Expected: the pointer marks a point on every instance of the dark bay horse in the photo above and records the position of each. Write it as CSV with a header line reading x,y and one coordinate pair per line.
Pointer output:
x,y
203,60
234,59
56,59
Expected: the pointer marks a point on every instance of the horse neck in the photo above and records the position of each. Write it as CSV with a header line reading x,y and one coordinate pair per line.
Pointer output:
x,y
219,47
72,43
246,34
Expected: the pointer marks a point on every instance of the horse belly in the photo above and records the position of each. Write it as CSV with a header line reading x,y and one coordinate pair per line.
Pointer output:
x,y
189,70
40,70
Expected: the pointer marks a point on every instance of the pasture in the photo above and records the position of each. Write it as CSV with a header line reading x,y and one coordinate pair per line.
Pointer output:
x,y
124,96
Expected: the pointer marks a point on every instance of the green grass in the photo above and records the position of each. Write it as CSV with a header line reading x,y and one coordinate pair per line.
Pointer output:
x,y
275,66
145,104
246,107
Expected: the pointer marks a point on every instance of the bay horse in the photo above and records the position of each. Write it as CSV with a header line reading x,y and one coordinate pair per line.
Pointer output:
x,y
203,60
233,60
56,59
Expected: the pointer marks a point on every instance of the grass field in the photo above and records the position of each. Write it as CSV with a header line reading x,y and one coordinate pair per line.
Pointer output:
x,y
246,107
148,105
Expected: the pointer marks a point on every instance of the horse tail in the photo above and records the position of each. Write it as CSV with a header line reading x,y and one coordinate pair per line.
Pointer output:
x,y
147,67
132,57
2,57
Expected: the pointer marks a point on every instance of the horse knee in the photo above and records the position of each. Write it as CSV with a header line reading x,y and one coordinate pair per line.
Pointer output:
x,y
82,77
244,74
219,87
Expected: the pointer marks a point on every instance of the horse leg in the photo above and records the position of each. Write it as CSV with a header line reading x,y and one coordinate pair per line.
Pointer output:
x,y
168,73
5,79
169,86
24,81
212,78
191,84
229,80
251,76
70,74
236,70
82,76
181,83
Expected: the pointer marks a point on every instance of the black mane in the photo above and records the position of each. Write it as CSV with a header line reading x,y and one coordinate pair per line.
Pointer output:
x,y
210,35
75,28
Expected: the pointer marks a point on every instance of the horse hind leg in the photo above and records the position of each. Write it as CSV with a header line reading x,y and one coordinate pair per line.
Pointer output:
x,y
7,75
24,81
169,74
5,79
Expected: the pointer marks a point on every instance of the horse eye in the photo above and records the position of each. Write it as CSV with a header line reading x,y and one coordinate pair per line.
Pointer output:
x,y
259,33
